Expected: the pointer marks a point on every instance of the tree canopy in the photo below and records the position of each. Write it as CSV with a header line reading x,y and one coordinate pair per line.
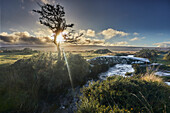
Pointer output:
x,y
52,16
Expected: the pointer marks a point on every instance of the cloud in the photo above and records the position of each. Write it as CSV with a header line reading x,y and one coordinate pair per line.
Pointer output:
x,y
135,33
88,33
45,1
134,39
109,33
84,40
48,1
162,44
13,30
122,43
89,41
42,32
137,38
22,38
41,36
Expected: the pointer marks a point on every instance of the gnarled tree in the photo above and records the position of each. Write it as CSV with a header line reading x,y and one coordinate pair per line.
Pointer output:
x,y
53,17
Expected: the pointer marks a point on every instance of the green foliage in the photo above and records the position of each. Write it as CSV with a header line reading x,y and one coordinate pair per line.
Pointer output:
x,y
127,94
26,84
139,69
167,56
147,53
96,69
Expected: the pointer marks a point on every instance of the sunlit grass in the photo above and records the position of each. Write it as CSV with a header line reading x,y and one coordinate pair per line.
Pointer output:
x,y
89,55
150,77
7,59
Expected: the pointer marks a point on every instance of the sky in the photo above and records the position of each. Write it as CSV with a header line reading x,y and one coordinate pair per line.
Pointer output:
x,y
103,22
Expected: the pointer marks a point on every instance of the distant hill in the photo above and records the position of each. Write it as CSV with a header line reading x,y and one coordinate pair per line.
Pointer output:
x,y
82,47
102,51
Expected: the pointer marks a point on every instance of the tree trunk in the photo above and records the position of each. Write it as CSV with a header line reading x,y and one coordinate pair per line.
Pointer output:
x,y
58,47
59,51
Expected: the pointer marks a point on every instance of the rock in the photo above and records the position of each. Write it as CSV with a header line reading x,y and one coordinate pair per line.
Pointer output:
x,y
112,60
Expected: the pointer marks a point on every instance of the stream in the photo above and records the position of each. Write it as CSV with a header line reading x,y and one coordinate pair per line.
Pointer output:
x,y
118,69
122,69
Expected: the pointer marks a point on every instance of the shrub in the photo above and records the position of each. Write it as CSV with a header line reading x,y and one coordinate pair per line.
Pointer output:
x,y
167,56
146,53
128,94
102,51
139,69
28,83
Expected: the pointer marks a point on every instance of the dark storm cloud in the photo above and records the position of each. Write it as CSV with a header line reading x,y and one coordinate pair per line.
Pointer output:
x,y
23,38
5,38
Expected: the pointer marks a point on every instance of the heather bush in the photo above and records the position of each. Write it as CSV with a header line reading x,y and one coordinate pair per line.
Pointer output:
x,y
28,83
118,94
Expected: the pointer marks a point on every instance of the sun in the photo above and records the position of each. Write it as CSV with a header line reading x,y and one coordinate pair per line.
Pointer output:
x,y
60,38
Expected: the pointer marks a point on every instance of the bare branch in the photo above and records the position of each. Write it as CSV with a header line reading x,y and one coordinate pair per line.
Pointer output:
x,y
53,17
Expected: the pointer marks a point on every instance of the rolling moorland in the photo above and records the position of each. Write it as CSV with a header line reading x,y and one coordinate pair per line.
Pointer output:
x,y
37,82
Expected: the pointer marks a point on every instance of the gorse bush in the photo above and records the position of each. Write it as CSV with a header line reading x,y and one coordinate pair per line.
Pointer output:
x,y
118,94
26,84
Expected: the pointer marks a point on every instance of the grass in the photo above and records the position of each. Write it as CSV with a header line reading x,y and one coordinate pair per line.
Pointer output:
x,y
42,78
9,58
89,55
36,79
150,77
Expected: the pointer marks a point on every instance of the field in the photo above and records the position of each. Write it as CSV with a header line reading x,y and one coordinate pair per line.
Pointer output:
x,y
38,77
11,57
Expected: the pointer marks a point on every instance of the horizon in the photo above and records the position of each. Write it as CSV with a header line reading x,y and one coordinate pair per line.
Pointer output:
x,y
104,23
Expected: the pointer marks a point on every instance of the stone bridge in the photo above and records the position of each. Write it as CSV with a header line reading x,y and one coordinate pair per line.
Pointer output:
x,y
112,60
